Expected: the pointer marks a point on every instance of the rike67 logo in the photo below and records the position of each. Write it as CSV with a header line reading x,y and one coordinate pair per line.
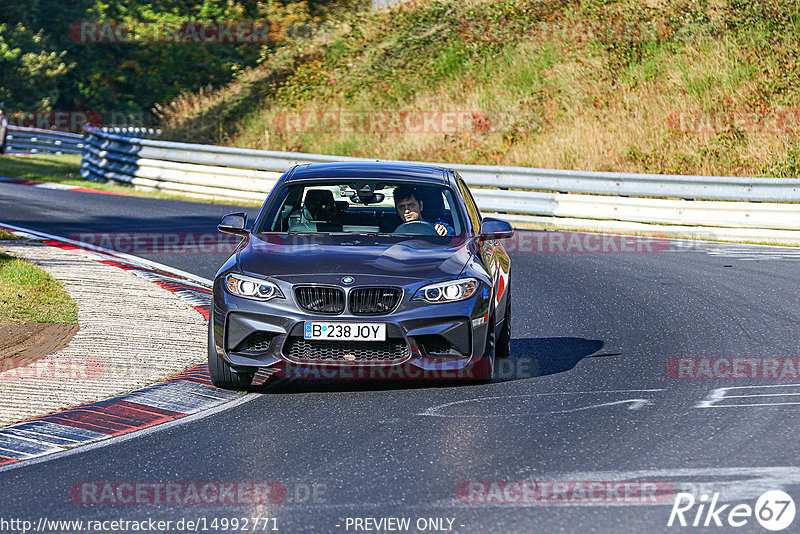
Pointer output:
x,y
774,510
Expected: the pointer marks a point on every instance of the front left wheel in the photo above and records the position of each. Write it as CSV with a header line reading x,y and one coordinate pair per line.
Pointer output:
x,y
483,369
222,374
503,346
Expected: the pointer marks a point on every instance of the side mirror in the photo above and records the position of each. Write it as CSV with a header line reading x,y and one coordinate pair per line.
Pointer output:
x,y
495,229
233,223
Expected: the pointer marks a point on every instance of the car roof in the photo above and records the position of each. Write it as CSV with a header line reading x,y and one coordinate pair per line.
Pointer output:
x,y
371,170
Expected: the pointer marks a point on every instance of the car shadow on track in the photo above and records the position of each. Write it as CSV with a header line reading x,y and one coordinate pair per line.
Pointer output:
x,y
530,358
540,356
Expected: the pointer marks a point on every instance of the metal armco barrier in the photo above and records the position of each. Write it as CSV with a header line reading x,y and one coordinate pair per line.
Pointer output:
x,y
522,194
21,140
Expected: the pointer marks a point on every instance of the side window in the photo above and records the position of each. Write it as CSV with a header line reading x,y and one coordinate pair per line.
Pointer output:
x,y
472,208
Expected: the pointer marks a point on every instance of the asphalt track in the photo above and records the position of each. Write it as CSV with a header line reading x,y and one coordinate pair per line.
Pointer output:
x,y
598,329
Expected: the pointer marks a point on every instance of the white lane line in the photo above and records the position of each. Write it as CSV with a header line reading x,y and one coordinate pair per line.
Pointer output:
x,y
49,185
721,394
635,404
435,411
736,251
761,395
751,405
752,252
34,183
136,260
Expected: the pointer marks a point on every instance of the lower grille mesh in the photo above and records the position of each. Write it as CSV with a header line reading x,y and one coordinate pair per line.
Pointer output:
x,y
259,341
435,345
256,342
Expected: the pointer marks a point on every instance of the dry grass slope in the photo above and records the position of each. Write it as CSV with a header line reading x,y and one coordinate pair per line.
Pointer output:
x,y
688,87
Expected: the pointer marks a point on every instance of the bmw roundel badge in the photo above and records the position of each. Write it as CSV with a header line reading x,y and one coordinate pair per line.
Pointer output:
x,y
347,280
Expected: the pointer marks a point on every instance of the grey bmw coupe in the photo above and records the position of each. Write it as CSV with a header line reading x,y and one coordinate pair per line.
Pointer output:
x,y
362,270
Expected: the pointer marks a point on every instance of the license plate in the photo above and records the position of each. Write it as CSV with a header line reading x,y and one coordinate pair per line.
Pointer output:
x,y
345,331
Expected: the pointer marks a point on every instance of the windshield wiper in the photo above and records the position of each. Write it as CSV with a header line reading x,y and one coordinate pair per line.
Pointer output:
x,y
309,233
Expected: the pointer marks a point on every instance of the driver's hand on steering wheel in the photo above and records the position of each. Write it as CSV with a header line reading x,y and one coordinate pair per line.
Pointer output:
x,y
440,229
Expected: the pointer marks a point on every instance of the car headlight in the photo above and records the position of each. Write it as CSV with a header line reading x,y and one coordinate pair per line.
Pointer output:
x,y
251,288
451,291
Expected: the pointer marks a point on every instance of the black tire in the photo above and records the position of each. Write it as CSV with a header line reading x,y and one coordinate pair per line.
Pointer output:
x,y
222,375
503,348
483,369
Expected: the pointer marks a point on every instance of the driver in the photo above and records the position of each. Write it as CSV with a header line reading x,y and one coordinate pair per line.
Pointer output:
x,y
409,208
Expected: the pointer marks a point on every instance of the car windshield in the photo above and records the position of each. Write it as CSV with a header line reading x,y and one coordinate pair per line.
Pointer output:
x,y
364,207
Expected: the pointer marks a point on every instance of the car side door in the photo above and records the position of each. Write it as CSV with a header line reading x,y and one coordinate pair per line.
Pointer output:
x,y
492,252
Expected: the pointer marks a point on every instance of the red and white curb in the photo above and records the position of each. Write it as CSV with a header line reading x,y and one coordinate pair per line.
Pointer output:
x,y
188,393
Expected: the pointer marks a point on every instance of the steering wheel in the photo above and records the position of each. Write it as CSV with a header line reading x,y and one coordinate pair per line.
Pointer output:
x,y
416,228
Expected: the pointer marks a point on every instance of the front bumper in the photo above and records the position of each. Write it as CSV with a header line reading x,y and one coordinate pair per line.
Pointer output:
x,y
277,325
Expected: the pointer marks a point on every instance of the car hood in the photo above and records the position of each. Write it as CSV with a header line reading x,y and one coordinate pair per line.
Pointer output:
x,y
291,256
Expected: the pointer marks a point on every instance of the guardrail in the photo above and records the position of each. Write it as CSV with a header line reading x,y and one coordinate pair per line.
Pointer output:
x,y
521,194
22,140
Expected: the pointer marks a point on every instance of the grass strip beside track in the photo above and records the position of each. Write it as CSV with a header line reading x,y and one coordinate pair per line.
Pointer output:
x,y
8,236
28,293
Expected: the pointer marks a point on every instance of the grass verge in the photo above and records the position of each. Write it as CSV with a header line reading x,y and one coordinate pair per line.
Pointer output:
x,y
28,293
7,236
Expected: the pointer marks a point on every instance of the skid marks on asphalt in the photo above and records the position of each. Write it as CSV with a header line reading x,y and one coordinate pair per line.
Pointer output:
x,y
541,404
752,396
735,251
562,403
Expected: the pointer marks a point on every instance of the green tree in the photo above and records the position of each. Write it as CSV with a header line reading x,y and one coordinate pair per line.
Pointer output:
x,y
48,66
26,64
